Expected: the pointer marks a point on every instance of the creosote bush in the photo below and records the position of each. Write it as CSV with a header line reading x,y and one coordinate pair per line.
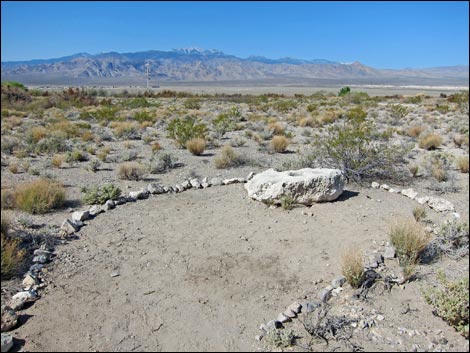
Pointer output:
x,y
462,163
12,255
196,146
184,129
451,302
352,267
39,196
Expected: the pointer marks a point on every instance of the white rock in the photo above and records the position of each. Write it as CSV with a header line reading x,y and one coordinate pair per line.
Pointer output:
x,y
295,307
68,227
20,298
80,216
154,188
233,181
30,281
186,184
422,200
375,185
384,187
7,342
394,191
456,215
305,186
283,318
9,318
440,204
109,205
95,210
324,295
338,281
216,181
139,194
290,314
195,183
410,193
250,176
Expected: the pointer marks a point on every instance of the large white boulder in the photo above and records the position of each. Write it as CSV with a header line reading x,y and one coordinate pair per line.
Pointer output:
x,y
305,186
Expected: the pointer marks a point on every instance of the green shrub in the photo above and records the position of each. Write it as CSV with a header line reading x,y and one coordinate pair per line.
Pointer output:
x,y
223,124
285,105
138,102
99,195
398,112
161,163
287,202
192,103
50,145
143,116
419,213
343,91
39,196
351,148
76,156
451,302
279,338
182,130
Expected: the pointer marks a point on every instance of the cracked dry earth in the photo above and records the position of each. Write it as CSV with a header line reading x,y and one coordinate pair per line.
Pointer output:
x,y
200,270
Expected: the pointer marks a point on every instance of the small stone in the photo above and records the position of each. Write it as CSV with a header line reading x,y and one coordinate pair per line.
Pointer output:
x,y
410,193
80,216
456,215
9,318
385,187
233,181
375,185
7,342
195,183
295,307
217,181
68,227
186,185
258,337
95,210
30,281
39,252
272,325
250,176
36,268
179,188
290,314
394,191
338,281
380,317
324,295
20,298
283,318
311,306
42,259
155,188
114,274
422,200
139,194
166,189
389,252
109,205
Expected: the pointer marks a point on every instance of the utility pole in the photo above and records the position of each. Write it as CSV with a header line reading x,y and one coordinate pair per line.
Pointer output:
x,y
147,65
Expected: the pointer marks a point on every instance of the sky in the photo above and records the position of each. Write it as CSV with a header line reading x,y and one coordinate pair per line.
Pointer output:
x,y
378,34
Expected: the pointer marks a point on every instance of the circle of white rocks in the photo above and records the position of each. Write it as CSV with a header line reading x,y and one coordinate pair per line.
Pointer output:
x,y
33,280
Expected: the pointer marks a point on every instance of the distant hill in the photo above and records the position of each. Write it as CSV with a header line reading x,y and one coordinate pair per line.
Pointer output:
x,y
198,65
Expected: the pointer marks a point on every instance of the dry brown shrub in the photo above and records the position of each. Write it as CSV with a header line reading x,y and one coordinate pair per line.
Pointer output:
x,y
430,141
131,171
415,130
462,163
196,146
352,267
279,143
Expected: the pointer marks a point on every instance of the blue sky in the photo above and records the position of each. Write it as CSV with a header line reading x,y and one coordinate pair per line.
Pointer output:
x,y
379,34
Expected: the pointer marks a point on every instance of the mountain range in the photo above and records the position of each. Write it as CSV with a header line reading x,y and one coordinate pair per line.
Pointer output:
x,y
192,65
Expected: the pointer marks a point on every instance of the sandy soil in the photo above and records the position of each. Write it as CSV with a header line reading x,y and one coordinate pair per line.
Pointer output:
x,y
203,269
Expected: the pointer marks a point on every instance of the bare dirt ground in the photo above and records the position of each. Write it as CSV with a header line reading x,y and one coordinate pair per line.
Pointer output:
x,y
203,269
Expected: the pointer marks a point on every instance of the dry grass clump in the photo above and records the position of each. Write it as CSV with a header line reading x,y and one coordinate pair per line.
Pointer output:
x,y
303,122
131,171
228,158
279,144
439,174
430,141
125,129
58,160
409,239
419,213
37,133
462,163
196,146
327,117
12,255
276,128
413,170
87,136
352,267
156,146
39,196
415,130
460,140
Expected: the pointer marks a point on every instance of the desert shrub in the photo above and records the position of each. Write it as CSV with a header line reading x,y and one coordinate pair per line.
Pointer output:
x,y
413,169
228,158
439,174
284,106
343,91
415,130
414,99
143,117
87,136
430,141
327,117
94,165
129,155
308,121
461,99
196,146
287,202
442,108
460,140
39,196
351,148
65,128
161,163
182,130
8,199
451,302
398,112
102,155
106,114
312,107
49,145
462,164
75,156
276,128
419,213
12,255
452,240
156,146
36,134
131,171
223,124
126,130
192,103
409,239
279,338
279,144
100,194
10,144
352,267
138,102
